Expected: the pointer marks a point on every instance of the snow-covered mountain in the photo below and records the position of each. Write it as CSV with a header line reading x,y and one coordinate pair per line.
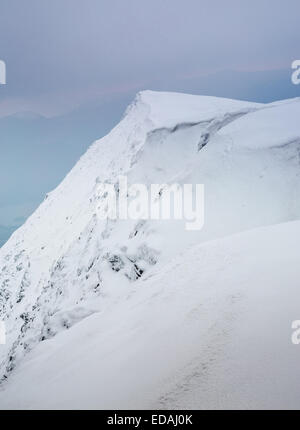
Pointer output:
x,y
96,303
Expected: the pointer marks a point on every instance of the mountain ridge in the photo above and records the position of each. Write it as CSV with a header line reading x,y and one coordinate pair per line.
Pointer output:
x,y
65,264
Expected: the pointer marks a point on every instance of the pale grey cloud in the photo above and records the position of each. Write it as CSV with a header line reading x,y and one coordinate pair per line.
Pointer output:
x,y
76,47
83,60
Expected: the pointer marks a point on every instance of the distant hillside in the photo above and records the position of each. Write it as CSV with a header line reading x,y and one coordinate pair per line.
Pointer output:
x,y
5,233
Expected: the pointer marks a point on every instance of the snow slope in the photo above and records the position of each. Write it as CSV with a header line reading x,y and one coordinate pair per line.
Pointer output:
x,y
212,330
65,268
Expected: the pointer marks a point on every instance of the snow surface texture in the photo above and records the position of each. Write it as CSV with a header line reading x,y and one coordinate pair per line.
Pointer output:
x,y
128,314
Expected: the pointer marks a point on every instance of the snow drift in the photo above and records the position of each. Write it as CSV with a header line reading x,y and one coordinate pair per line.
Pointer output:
x,y
133,312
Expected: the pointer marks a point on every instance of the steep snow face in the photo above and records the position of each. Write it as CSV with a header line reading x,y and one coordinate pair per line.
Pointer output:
x,y
211,330
65,264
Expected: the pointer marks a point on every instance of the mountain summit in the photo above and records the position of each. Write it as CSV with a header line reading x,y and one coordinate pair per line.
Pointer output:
x,y
78,288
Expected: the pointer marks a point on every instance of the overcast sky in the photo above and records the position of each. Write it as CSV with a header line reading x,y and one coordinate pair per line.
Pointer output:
x,y
60,53
82,61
